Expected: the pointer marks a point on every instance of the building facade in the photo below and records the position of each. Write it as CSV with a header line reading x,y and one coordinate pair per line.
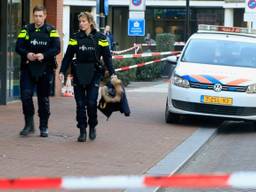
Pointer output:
x,y
161,16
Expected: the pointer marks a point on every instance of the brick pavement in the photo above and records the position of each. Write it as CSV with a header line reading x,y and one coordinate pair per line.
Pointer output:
x,y
124,145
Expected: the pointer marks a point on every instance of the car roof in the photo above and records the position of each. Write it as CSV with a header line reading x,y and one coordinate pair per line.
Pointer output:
x,y
224,36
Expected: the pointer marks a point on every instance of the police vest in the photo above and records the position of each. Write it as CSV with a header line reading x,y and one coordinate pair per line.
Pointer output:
x,y
86,50
38,41
86,60
87,56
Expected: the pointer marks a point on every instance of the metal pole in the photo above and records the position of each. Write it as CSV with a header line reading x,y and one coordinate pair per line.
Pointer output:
x,y
102,22
249,25
187,21
102,16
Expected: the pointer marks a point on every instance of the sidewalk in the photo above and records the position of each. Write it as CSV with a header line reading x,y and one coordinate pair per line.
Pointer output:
x,y
124,145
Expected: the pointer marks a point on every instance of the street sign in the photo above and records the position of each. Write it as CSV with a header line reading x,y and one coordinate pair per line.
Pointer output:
x,y
250,6
137,5
249,17
136,27
250,10
136,14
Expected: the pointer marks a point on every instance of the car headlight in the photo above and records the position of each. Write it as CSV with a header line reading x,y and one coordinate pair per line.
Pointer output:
x,y
251,88
180,82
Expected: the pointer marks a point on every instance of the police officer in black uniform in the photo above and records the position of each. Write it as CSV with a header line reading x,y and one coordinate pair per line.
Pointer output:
x,y
38,44
87,46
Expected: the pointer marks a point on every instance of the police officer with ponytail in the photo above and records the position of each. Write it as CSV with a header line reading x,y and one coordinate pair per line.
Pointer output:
x,y
87,47
38,43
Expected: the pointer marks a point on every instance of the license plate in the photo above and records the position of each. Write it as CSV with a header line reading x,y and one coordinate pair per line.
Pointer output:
x,y
216,100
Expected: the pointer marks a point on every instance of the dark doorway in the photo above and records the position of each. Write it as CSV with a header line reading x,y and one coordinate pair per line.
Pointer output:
x,y
3,50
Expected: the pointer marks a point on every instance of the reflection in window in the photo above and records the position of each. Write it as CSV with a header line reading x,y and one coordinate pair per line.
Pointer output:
x,y
13,60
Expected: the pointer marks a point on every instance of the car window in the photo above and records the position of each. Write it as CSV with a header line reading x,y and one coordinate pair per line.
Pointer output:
x,y
220,52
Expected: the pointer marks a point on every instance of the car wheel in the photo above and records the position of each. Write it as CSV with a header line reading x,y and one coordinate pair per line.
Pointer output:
x,y
169,116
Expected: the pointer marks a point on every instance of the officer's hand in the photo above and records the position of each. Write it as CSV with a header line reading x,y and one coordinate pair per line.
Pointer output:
x,y
61,77
31,56
39,56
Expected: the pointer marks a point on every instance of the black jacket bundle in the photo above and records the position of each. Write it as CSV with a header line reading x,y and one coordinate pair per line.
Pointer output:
x,y
107,108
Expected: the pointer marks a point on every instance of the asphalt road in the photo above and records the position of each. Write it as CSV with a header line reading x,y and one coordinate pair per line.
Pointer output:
x,y
232,150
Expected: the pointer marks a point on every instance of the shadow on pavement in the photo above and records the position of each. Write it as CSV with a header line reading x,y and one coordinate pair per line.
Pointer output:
x,y
231,127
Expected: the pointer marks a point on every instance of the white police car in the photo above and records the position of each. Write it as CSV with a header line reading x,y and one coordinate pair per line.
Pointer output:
x,y
215,75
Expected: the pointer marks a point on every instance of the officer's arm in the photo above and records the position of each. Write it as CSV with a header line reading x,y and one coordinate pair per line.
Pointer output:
x,y
54,45
107,57
68,56
20,43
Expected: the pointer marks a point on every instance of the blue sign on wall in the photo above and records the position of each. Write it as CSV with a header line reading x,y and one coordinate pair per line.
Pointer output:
x,y
136,27
106,7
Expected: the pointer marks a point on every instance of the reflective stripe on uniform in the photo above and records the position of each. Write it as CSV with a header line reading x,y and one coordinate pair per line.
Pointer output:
x,y
103,43
22,34
73,42
54,33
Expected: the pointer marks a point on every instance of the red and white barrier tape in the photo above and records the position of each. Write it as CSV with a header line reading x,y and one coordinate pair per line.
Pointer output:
x,y
239,180
124,51
146,45
152,54
135,46
139,65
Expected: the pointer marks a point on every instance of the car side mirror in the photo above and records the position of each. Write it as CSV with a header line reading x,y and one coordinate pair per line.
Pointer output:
x,y
172,59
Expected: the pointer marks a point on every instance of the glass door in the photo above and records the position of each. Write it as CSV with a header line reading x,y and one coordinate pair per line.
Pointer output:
x,y
13,59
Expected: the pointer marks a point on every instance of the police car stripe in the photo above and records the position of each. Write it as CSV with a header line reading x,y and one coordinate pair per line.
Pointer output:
x,y
189,78
54,33
237,82
214,80
211,78
201,79
103,43
72,42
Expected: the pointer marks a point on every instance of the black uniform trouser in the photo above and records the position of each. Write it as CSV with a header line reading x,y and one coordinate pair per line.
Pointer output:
x,y
86,102
43,86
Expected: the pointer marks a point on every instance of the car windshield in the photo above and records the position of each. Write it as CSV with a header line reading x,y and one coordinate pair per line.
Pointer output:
x,y
220,52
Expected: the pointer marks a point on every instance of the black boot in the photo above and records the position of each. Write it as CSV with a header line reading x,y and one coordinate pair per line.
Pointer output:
x,y
43,127
82,136
29,126
92,133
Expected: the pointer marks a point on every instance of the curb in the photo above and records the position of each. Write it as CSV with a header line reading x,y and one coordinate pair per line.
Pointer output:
x,y
176,159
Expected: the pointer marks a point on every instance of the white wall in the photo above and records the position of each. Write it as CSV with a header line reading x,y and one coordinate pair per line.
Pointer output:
x,y
158,3
65,25
229,17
